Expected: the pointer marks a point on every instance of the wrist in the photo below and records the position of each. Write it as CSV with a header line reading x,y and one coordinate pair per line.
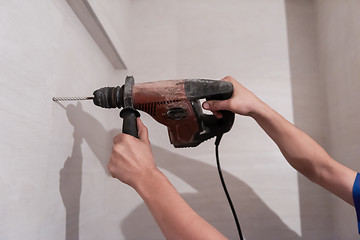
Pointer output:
x,y
148,180
258,109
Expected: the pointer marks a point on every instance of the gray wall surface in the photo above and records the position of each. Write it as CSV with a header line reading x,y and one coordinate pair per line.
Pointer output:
x,y
338,24
53,178
310,111
324,61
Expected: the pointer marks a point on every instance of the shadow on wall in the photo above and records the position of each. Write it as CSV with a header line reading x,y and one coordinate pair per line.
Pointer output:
x,y
70,189
257,220
100,143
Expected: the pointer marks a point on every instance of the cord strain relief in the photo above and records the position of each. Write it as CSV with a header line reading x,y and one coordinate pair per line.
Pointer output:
x,y
218,139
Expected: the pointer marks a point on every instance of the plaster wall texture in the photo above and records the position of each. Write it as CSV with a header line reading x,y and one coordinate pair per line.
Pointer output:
x,y
54,182
53,177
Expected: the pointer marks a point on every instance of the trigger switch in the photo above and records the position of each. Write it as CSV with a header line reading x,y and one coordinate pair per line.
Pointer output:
x,y
176,113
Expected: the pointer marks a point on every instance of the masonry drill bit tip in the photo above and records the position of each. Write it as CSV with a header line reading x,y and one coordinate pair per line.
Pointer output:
x,y
71,98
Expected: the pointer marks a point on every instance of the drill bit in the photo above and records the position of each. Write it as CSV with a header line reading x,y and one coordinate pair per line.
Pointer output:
x,y
71,98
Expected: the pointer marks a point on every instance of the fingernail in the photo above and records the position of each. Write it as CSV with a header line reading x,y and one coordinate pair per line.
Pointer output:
x,y
206,105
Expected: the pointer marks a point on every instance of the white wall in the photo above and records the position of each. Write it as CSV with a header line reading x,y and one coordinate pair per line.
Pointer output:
x,y
54,184
52,157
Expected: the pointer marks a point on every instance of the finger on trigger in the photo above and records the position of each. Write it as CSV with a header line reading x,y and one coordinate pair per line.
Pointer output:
x,y
206,105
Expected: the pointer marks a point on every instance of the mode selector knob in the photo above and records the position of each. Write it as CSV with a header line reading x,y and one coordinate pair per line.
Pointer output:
x,y
176,113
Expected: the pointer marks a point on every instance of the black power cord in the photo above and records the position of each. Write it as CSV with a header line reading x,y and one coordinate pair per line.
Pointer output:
x,y
217,142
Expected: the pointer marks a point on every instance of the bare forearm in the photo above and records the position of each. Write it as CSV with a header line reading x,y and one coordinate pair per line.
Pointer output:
x,y
297,147
305,154
174,216
300,150
132,163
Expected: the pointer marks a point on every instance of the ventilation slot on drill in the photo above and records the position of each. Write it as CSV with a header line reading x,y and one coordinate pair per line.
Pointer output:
x,y
166,102
150,108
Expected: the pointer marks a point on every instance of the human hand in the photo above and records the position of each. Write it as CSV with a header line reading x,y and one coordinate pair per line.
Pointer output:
x,y
131,159
242,102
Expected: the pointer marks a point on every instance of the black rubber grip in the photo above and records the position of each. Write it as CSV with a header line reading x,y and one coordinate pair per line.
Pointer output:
x,y
129,121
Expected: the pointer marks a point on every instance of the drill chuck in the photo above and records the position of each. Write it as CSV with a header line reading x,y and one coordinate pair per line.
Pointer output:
x,y
109,97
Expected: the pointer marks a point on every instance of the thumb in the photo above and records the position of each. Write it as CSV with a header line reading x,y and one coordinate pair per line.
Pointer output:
x,y
142,130
216,105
